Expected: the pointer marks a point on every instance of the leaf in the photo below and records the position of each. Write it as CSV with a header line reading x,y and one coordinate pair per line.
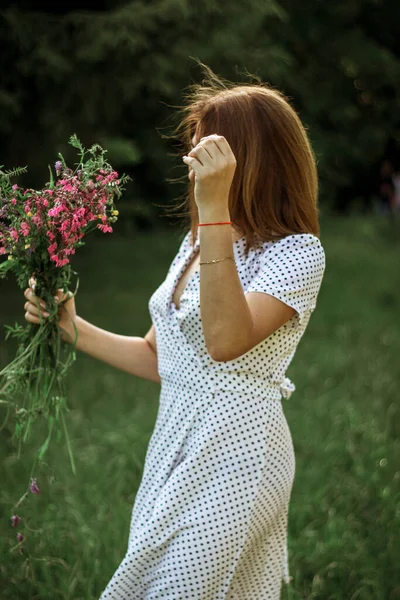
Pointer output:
x,y
51,183
18,430
5,266
13,172
14,331
75,142
45,445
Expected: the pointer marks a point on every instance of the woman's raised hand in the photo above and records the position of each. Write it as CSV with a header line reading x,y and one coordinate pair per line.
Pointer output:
x,y
66,310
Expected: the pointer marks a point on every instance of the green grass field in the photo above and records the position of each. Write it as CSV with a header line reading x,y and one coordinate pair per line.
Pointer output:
x,y
344,534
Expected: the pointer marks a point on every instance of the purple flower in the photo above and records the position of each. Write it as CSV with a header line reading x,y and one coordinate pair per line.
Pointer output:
x,y
15,520
20,537
34,487
58,167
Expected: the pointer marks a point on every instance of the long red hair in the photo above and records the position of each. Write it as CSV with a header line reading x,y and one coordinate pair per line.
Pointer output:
x,y
275,187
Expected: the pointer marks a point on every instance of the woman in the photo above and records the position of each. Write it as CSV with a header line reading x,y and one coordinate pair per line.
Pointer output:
x,y
210,516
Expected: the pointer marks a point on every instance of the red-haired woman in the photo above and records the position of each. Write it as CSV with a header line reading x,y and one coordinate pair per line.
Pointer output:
x,y
210,517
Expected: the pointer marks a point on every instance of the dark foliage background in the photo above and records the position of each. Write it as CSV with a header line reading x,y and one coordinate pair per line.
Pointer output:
x,y
111,73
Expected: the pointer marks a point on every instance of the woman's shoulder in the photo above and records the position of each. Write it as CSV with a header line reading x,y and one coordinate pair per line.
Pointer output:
x,y
293,243
299,238
303,249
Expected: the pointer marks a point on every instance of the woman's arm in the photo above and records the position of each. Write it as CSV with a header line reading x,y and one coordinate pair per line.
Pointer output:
x,y
135,355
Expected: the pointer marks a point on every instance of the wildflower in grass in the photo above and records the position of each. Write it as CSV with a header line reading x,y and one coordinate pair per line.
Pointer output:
x,y
34,488
15,520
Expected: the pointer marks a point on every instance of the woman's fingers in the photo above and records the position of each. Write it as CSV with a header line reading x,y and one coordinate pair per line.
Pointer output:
x,y
31,307
29,295
194,163
33,310
31,318
219,141
61,296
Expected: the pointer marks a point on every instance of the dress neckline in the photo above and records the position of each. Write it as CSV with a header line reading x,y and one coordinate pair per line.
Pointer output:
x,y
192,251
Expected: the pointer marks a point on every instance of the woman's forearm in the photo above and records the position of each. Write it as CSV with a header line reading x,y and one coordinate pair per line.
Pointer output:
x,y
225,314
131,354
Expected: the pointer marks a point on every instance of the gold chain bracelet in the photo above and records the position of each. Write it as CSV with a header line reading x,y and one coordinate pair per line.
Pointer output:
x,y
207,262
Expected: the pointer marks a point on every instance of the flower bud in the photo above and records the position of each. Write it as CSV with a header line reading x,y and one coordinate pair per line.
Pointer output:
x,y
34,488
15,520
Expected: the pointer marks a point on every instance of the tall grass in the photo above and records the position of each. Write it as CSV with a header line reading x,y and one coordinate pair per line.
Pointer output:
x,y
344,418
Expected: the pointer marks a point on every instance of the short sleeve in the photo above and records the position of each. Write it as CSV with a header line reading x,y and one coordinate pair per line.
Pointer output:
x,y
292,270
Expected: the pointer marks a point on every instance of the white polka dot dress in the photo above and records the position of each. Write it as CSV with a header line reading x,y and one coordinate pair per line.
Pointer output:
x,y
210,517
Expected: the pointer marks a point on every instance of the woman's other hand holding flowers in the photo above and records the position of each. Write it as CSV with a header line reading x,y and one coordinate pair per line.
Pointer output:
x,y
67,316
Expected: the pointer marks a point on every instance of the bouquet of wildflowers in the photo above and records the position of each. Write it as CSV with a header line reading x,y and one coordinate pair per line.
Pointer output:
x,y
39,232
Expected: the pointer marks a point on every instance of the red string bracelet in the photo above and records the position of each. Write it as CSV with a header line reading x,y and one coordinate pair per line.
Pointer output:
x,y
218,223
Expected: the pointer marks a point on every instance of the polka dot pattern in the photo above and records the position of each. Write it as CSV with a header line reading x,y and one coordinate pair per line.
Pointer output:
x,y
210,517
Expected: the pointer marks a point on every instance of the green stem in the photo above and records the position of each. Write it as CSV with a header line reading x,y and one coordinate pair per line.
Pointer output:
x,y
71,456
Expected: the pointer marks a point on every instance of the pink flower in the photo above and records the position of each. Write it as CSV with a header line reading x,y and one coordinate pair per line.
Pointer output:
x,y
3,251
25,228
15,520
105,228
14,187
34,488
53,212
20,537
45,203
14,234
13,201
60,262
80,212
69,188
52,248
37,220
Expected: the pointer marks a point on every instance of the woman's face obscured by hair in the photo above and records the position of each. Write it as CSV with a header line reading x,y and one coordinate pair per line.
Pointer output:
x,y
275,180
